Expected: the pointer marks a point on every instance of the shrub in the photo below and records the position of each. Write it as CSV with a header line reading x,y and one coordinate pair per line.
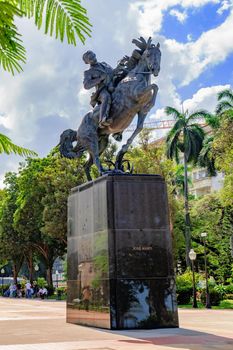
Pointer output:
x,y
221,289
41,282
50,290
229,289
184,288
61,290
184,296
215,297
228,297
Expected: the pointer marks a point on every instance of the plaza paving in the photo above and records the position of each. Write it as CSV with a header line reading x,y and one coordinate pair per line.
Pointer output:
x,y
41,325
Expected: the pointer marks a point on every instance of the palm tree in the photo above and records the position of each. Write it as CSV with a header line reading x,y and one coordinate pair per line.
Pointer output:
x,y
178,180
61,18
185,137
206,157
225,99
6,146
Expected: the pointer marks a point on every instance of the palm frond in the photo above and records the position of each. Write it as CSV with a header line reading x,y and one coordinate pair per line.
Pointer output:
x,y
172,141
193,140
178,126
62,18
170,111
202,113
12,53
206,158
7,146
223,106
226,94
211,119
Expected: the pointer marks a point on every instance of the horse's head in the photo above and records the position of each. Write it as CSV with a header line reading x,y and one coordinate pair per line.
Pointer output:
x,y
152,57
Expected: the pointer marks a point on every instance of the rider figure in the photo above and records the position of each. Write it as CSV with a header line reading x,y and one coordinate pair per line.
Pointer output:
x,y
99,75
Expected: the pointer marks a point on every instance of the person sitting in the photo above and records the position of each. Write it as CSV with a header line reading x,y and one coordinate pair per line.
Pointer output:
x,y
13,290
43,292
19,290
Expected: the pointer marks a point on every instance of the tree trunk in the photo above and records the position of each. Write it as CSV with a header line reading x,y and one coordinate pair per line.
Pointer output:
x,y
30,265
16,266
187,216
15,273
49,275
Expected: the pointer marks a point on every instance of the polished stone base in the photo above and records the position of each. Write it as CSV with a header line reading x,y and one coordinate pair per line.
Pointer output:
x,y
120,271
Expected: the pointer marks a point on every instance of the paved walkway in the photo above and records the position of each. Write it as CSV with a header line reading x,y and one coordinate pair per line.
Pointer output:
x,y
41,325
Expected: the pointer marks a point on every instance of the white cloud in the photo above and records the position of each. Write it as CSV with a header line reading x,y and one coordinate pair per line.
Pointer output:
x,y
148,14
225,5
181,16
184,62
204,98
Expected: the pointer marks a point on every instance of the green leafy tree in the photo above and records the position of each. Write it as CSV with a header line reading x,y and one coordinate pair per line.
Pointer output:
x,y
11,243
44,186
225,103
57,179
61,18
210,215
28,217
29,209
185,137
223,151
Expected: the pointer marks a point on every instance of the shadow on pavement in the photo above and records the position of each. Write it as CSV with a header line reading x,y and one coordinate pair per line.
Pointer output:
x,y
175,337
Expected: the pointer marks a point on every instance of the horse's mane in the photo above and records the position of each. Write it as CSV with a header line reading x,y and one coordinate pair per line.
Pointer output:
x,y
128,63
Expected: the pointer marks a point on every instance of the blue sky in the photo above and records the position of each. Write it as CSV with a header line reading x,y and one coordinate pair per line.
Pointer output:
x,y
196,38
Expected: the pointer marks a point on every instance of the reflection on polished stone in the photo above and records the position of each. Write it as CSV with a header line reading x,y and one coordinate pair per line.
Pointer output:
x,y
120,272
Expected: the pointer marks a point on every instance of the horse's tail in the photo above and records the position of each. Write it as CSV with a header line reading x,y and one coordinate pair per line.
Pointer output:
x,y
66,144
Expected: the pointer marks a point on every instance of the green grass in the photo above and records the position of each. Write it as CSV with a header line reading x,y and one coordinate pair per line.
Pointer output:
x,y
190,306
224,304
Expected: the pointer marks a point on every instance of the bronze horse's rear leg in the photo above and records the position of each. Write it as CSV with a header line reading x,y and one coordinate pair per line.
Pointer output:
x,y
87,168
124,149
95,152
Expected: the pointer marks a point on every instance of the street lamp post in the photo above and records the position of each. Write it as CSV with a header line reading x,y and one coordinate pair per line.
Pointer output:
x,y
57,273
2,273
208,305
192,257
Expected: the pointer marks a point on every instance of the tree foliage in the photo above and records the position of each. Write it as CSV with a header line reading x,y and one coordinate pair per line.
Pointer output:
x,y
11,242
60,18
33,210
186,136
209,215
225,102
223,152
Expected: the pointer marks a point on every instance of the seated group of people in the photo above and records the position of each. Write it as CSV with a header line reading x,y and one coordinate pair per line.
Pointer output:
x,y
29,291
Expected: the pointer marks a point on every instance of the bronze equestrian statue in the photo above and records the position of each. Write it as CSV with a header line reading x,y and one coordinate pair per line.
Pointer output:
x,y
120,94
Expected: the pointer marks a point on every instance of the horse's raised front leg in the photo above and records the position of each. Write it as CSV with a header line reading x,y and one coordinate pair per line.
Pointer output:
x,y
147,99
124,149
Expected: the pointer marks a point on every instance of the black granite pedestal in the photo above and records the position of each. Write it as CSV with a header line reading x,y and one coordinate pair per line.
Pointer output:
x,y
120,270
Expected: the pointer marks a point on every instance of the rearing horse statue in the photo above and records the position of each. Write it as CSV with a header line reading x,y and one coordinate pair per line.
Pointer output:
x,y
133,94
